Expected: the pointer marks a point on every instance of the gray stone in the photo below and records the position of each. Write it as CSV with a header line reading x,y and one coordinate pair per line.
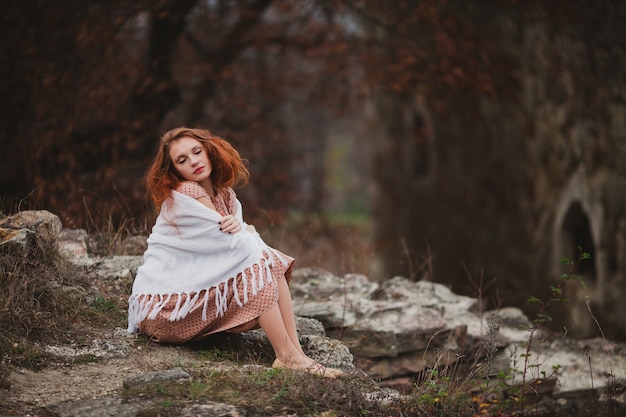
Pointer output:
x,y
310,327
401,328
329,352
211,409
119,266
20,240
99,348
72,243
383,396
46,225
170,375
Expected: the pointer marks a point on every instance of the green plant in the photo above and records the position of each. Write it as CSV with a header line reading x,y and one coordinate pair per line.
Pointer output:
x,y
444,390
612,387
543,316
214,355
103,305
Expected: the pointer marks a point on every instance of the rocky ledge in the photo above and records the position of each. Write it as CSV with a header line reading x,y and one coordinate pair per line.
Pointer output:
x,y
397,332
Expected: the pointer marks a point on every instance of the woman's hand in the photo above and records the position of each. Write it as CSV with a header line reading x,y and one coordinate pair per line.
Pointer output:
x,y
230,224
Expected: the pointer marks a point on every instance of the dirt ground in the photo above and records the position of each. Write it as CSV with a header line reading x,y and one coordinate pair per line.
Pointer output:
x,y
70,380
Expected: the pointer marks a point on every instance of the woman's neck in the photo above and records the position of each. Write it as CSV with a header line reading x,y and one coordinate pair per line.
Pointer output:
x,y
208,186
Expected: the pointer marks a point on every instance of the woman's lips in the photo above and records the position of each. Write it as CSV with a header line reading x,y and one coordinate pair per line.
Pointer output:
x,y
198,170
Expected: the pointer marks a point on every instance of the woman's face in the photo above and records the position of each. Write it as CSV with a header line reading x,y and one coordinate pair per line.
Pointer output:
x,y
191,160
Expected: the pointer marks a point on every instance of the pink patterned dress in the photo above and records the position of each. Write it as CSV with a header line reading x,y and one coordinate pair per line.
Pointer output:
x,y
237,318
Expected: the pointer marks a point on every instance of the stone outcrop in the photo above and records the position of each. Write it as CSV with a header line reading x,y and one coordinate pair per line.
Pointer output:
x,y
397,332
25,228
400,329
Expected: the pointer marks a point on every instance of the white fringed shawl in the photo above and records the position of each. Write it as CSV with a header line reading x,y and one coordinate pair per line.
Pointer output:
x,y
187,253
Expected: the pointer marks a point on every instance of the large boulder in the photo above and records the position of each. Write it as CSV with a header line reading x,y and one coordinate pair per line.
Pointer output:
x,y
26,229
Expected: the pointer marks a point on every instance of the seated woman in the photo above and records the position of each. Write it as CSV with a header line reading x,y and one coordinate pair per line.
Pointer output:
x,y
205,269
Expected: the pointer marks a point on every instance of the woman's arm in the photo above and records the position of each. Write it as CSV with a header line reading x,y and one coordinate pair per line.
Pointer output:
x,y
228,223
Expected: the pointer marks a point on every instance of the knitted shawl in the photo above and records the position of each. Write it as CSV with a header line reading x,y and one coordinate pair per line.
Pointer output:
x,y
187,253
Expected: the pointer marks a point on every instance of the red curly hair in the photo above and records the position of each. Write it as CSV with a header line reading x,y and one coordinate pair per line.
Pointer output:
x,y
228,167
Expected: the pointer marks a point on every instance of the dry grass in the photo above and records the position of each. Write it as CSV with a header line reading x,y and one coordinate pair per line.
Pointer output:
x,y
44,299
35,297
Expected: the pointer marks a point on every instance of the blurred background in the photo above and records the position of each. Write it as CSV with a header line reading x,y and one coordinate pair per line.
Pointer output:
x,y
474,143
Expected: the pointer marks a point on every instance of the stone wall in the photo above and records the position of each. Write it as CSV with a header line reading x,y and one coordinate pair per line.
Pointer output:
x,y
518,179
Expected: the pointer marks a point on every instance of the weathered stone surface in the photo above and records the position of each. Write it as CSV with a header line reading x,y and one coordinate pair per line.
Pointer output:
x,y
123,266
578,364
310,327
402,328
46,225
18,239
210,409
73,243
397,316
411,363
330,352
119,266
170,375
98,348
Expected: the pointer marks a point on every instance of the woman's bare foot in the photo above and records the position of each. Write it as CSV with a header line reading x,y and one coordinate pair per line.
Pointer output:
x,y
312,367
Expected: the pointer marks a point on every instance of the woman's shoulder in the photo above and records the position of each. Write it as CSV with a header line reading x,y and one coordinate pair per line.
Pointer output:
x,y
192,189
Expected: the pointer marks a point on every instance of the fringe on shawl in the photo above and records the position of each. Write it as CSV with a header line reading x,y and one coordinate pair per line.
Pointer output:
x,y
148,306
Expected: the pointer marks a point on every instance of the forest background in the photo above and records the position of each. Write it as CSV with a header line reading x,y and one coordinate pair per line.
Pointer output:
x,y
300,89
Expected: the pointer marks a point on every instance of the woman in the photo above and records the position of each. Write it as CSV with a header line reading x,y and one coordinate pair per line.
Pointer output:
x,y
205,269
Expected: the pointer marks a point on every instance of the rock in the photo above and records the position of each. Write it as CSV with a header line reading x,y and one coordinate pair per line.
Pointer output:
x,y
99,348
44,224
399,329
123,266
384,396
310,327
72,243
329,352
211,409
578,364
119,266
24,230
20,240
170,375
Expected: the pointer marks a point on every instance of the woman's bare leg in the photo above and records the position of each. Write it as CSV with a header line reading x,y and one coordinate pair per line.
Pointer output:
x,y
289,355
286,311
279,325
286,351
